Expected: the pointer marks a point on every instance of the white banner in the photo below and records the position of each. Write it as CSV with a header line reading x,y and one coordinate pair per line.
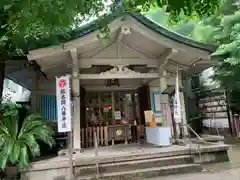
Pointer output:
x,y
177,104
63,104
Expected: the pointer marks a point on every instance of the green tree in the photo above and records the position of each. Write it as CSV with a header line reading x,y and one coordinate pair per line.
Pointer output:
x,y
25,20
227,71
183,26
222,29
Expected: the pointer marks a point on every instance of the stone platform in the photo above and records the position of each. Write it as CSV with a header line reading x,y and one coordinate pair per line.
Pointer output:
x,y
128,161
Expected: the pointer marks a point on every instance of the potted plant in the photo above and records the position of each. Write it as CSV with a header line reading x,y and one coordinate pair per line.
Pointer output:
x,y
19,138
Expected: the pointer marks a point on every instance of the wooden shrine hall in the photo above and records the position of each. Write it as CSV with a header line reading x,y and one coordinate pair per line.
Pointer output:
x,y
114,80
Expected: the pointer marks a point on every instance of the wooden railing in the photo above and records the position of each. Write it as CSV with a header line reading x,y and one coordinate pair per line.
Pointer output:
x,y
102,136
87,136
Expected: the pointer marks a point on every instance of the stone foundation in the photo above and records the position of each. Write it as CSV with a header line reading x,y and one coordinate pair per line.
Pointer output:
x,y
57,169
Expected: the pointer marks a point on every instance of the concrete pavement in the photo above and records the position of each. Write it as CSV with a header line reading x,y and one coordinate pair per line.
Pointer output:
x,y
222,171
230,174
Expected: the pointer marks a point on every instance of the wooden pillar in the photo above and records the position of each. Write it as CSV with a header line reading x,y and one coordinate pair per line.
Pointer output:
x,y
164,97
83,122
163,81
113,107
144,102
76,102
134,106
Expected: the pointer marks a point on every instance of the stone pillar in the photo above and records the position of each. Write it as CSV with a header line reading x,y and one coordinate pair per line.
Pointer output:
x,y
76,102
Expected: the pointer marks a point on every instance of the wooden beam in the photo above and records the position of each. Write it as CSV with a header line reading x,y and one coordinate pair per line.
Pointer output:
x,y
167,54
113,88
119,76
88,62
75,63
181,66
45,52
115,76
60,65
164,57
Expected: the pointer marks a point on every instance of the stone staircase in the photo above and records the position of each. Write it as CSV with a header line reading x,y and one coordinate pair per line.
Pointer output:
x,y
144,167
209,139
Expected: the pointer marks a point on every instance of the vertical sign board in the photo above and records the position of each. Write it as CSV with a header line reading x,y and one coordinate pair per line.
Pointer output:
x,y
63,103
156,104
177,104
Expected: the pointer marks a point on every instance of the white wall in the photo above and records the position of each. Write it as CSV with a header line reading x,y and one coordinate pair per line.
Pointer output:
x,y
16,91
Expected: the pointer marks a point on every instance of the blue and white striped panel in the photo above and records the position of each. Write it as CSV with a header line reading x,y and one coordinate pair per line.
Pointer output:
x,y
49,107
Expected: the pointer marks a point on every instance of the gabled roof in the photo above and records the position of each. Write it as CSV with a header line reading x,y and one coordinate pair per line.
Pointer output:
x,y
95,25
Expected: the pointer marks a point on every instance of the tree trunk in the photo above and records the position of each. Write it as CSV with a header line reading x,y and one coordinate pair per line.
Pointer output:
x,y
230,122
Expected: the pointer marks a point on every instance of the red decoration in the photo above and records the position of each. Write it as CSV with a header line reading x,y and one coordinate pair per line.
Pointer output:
x,y
62,83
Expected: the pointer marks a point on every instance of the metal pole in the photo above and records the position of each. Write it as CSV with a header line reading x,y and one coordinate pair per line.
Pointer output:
x,y
70,146
70,154
96,154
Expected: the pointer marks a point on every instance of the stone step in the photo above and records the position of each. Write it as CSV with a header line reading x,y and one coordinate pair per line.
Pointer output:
x,y
140,174
133,165
213,138
208,138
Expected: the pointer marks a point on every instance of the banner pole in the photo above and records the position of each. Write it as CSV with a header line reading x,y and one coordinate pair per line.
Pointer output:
x,y
70,145
65,116
70,154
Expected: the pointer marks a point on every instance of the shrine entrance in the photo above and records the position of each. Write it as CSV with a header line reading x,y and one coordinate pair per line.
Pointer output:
x,y
116,112
110,108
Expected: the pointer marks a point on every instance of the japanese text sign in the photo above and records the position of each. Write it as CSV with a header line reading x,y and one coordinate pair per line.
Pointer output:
x,y
63,104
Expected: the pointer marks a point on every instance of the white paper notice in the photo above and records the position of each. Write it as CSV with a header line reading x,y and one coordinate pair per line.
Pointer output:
x,y
118,115
157,102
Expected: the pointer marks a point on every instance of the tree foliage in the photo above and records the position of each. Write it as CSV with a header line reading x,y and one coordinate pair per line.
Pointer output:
x,y
183,26
25,20
222,28
226,35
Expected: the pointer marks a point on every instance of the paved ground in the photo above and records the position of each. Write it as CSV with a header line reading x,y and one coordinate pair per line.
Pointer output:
x,y
223,171
232,174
